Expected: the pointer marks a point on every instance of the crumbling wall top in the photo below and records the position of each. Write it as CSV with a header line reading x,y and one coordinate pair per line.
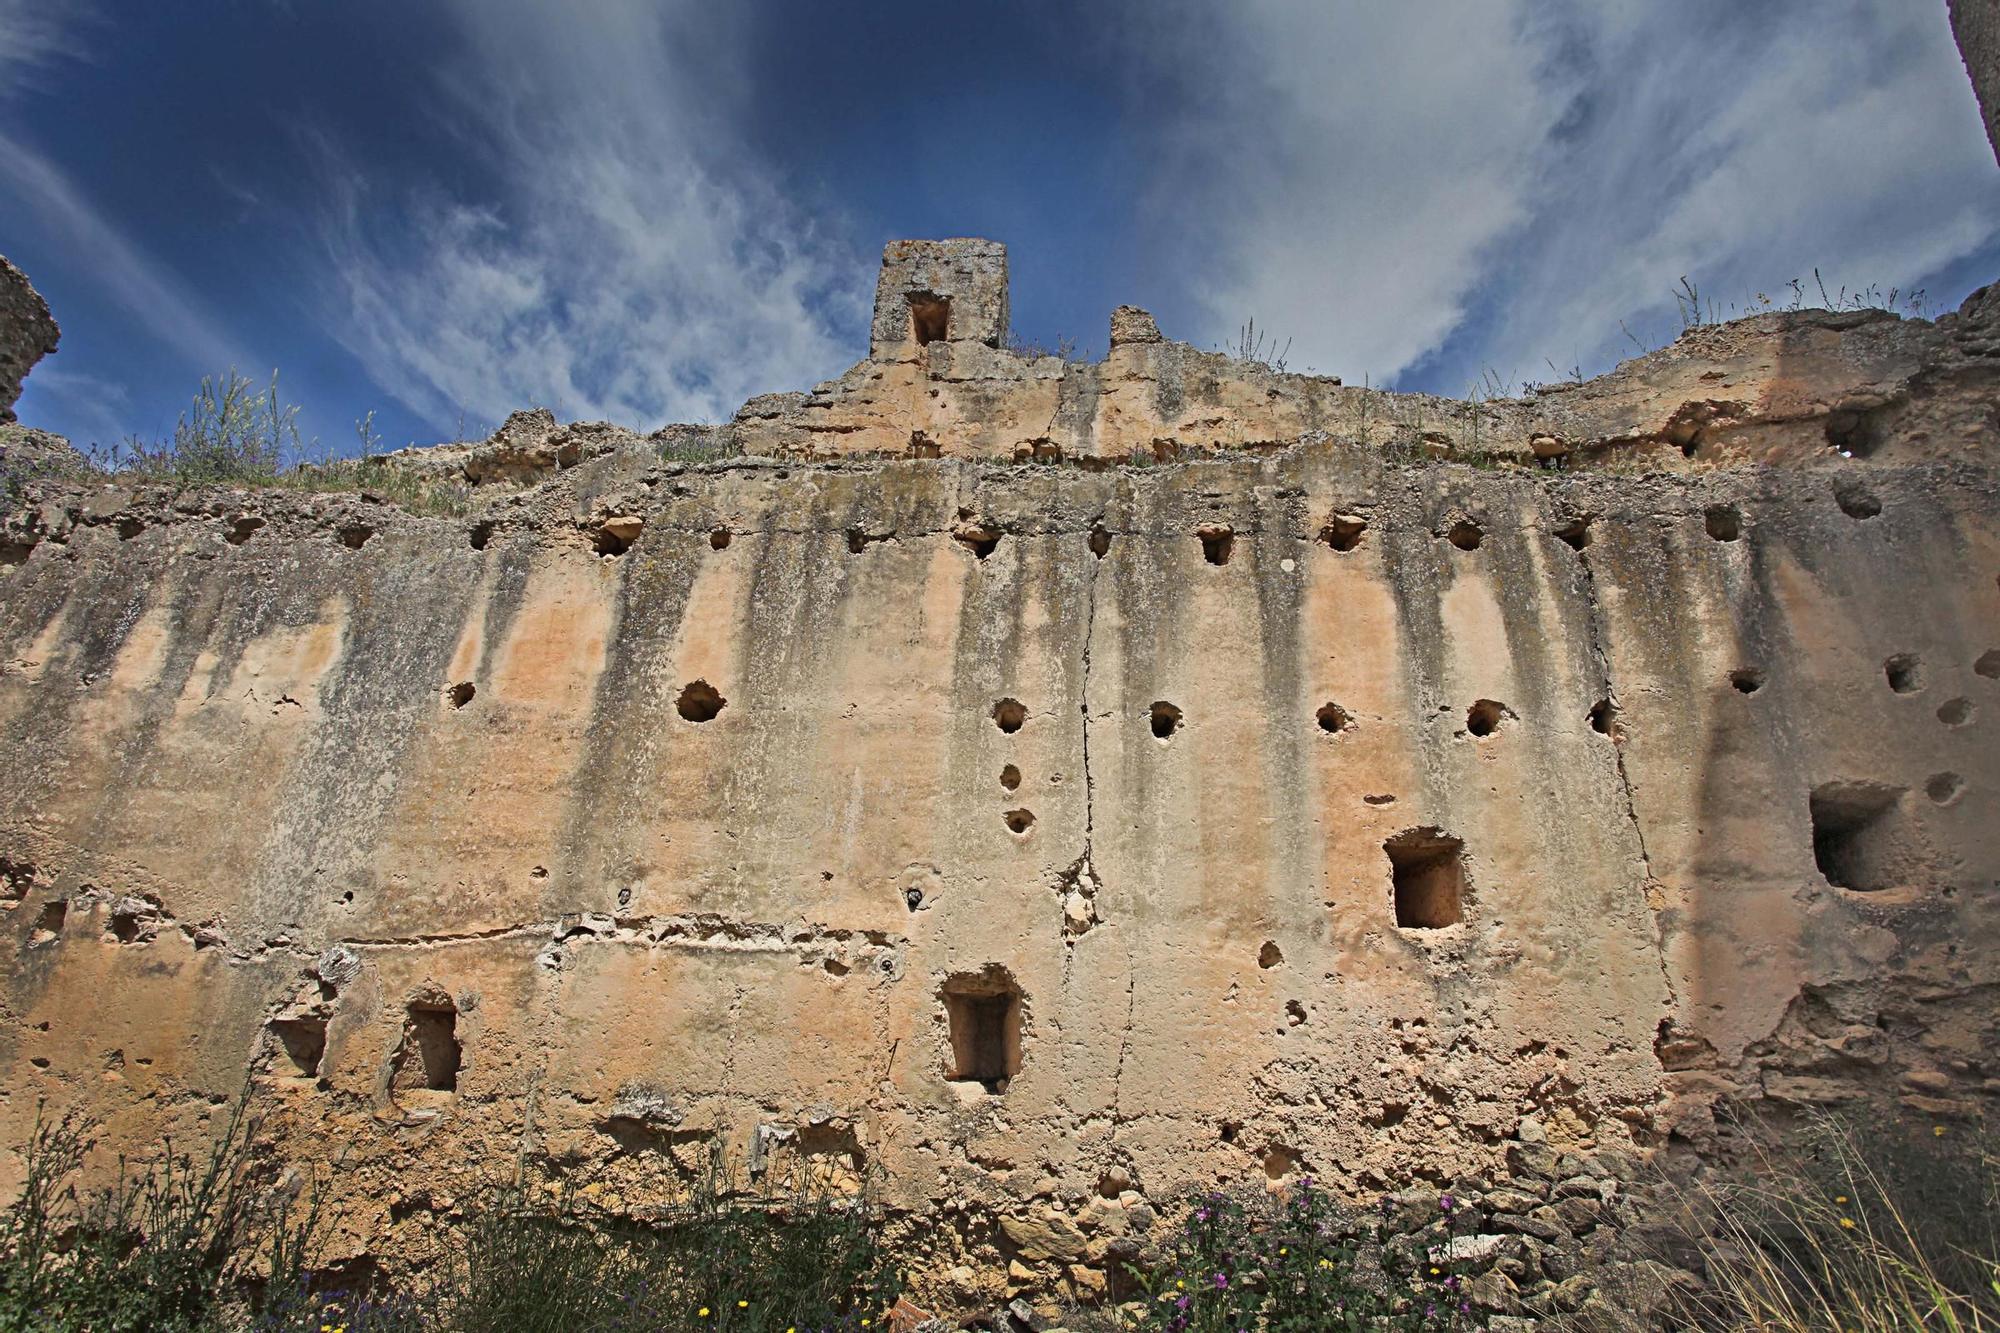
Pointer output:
x,y
27,333
939,291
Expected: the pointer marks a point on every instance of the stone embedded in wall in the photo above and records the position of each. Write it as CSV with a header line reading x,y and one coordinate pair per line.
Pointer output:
x,y
28,333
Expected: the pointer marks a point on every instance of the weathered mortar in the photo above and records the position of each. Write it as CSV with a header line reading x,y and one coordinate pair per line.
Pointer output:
x,y
250,770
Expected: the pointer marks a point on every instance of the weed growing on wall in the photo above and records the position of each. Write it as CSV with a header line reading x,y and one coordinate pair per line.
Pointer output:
x,y
164,1248
1287,1266
1864,1225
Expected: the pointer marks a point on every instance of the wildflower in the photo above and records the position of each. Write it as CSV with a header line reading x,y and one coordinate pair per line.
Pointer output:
x,y
1435,1270
1220,1281
1451,1283
1181,1304
1465,1307
1201,1214
1284,1249
702,1313
1937,1131
742,1305
1840,1198
1180,1285
1847,1224
1446,1202
1326,1263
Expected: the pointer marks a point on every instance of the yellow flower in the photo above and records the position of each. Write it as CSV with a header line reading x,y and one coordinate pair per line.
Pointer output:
x,y
1847,1224
742,1305
1938,1130
1180,1284
1434,1272
702,1313
1326,1263
1840,1198
1283,1250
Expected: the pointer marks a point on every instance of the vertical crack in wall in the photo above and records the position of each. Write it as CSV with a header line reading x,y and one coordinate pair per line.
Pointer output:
x,y
1086,863
1597,636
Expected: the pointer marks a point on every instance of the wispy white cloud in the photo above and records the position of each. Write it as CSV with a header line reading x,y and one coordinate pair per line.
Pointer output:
x,y
103,406
34,32
630,259
157,299
1474,183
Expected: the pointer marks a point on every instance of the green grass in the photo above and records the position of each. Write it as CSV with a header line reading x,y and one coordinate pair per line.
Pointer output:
x,y
187,1244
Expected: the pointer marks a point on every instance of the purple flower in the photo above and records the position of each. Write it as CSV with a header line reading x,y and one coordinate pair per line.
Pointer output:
x,y
1201,1214
1446,1203
1220,1281
1430,1312
1465,1307
1451,1283
1182,1303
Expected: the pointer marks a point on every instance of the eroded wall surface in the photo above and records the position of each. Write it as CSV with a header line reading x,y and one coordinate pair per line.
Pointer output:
x,y
1041,840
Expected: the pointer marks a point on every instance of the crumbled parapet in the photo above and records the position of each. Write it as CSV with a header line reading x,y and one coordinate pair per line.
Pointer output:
x,y
28,333
1130,324
531,444
1976,25
939,292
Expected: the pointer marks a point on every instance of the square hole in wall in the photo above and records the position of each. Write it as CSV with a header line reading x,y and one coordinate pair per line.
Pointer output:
x,y
983,1014
1862,837
430,1053
1427,869
303,1041
930,317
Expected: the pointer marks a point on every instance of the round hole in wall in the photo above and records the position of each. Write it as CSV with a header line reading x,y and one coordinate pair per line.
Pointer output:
x,y
699,701
1465,535
1010,777
718,539
1485,716
1009,715
1019,821
1944,788
1746,680
1164,719
1333,719
1956,712
1604,717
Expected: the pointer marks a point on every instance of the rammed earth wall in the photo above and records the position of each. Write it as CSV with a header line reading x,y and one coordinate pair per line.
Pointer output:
x,y
1041,839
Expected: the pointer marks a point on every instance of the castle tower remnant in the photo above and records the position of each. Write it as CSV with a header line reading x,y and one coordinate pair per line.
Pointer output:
x,y
947,291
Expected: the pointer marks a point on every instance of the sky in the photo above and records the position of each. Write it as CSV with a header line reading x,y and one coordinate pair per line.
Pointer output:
x,y
647,211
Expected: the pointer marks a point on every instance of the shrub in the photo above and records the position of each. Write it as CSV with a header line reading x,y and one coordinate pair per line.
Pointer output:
x,y
231,433
166,1247
723,1258
1865,1226
1297,1264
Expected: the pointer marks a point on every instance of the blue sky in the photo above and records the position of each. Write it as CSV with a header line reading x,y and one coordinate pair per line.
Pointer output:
x,y
648,210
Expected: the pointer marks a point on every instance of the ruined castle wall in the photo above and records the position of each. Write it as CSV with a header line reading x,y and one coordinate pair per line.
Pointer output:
x,y
242,757
1271,777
